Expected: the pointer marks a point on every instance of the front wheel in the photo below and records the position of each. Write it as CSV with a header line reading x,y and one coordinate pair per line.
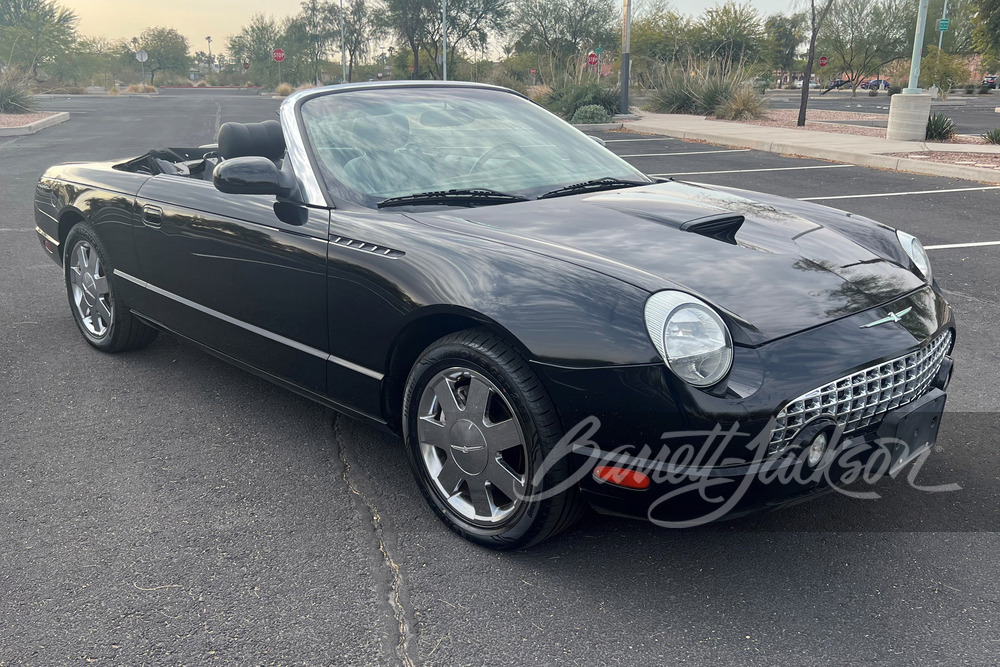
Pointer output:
x,y
103,319
478,426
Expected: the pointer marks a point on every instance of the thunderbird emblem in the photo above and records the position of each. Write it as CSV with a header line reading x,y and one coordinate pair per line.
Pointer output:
x,y
891,317
466,450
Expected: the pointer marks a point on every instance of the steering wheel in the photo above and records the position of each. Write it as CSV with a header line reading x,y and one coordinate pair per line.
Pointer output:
x,y
492,153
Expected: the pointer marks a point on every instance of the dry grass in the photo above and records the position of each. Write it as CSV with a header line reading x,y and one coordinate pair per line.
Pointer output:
x,y
140,88
284,89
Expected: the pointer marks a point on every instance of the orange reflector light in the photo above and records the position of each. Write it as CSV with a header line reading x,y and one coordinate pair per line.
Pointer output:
x,y
630,479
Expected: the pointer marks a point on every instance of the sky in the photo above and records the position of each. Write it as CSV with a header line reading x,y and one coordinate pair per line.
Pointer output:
x,y
196,19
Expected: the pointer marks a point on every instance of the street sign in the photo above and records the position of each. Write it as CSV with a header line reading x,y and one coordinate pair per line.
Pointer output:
x,y
592,59
599,50
246,66
532,71
823,61
141,56
943,24
278,55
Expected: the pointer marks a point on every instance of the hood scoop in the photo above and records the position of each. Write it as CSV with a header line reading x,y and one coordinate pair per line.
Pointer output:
x,y
721,226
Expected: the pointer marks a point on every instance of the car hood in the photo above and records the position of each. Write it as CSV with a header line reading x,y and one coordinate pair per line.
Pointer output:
x,y
780,272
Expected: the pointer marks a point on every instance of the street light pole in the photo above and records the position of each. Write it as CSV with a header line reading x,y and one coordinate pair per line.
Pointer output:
x,y
918,47
444,39
343,60
626,49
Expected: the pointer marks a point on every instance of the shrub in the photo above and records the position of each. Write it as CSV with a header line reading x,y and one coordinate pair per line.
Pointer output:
x,y
745,103
14,94
712,92
566,100
940,127
113,90
501,76
140,88
674,95
894,90
872,92
284,89
970,88
984,90
992,136
592,113
201,84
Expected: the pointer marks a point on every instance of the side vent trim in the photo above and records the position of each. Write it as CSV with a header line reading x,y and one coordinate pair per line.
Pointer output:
x,y
362,246
721,227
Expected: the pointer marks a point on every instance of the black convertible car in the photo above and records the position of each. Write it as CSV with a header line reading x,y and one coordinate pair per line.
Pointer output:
x,y
544,325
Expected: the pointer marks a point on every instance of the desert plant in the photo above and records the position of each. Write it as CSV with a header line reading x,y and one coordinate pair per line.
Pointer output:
x,y
894,90
872,92
566,100
745,103
140,88
673,94
15,97
284,89
113,90
940,127
984,90
712,92
970,88
992,136
592,113
201,84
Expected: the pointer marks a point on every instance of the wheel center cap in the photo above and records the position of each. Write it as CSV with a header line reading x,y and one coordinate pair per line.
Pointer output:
x,y
89,288
468,447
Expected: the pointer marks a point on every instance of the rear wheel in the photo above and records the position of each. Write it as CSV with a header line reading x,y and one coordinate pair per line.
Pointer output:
x,y
478,425
105,322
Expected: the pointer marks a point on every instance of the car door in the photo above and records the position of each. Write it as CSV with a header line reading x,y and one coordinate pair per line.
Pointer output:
x,y
241,274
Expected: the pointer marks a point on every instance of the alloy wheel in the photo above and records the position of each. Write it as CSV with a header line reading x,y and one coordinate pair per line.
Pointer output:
x,y
91,293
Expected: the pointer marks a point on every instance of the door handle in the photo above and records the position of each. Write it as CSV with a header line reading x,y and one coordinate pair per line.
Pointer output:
x,y
152,216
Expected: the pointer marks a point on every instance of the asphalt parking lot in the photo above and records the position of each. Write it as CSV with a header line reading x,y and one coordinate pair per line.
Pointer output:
x,y
973,114
161,507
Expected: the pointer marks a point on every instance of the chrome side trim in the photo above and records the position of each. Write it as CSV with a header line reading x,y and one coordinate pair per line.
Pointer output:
x,y
299,155
253,328
46,236
47,215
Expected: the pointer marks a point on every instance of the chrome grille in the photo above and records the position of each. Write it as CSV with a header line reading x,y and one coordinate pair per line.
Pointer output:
x,y
861,399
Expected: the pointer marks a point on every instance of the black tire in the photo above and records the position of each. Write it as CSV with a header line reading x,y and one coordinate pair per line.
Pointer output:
x,y
122,330
518,392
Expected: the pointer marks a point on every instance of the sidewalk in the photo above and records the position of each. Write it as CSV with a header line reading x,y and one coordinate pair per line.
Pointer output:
x,y
852,149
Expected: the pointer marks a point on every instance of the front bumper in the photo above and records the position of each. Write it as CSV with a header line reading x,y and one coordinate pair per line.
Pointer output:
x,y
642,411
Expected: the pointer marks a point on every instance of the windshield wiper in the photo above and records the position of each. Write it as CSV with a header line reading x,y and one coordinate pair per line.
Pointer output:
x,y
606,183
468,197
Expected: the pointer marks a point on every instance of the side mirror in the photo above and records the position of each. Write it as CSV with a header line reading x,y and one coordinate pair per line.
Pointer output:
x,y
252,176
598,140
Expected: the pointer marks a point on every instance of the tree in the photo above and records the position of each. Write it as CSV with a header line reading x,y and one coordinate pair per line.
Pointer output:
x,y
409,19
470,23
783,35
167,50
986,27
35,32
660,35
254,44
730,33
363,26
943,70
310,35
816,16
563,30
863,36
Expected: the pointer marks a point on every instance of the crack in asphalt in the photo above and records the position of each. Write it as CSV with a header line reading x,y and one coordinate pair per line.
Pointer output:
x,y
395,584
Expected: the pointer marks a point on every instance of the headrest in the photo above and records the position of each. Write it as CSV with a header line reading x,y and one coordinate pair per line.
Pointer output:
x,y
246,139
382,133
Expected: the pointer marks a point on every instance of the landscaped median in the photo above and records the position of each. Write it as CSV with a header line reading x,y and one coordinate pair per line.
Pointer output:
x,y
16,124
860,149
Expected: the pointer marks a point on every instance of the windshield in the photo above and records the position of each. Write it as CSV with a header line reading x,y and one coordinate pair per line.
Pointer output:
x,y
375,144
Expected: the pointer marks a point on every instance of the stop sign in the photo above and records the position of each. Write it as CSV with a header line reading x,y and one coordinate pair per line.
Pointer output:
x,y
591,58
532,71
246,66
823,61
278,55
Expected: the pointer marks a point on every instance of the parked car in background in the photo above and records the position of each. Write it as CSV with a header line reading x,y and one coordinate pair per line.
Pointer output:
x,y
875,84
798,84
990,81
838,83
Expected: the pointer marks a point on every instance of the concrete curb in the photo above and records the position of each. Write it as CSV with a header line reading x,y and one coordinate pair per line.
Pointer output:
x,y
595,127
31,128
876,161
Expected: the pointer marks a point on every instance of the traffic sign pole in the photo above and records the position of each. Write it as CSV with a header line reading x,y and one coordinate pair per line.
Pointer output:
x,y
942,26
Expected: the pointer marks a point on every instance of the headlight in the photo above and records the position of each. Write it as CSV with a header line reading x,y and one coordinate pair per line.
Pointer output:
x,y
912,246
690,337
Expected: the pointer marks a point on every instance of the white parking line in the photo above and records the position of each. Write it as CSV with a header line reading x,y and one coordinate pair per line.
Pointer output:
x,y
731,150
900,194
747,171
946,246
619,141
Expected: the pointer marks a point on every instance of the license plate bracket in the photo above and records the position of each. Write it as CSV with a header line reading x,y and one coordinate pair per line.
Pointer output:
x,y
911,430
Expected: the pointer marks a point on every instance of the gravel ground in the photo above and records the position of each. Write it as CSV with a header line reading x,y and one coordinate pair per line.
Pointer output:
x,y
19,119
989,160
